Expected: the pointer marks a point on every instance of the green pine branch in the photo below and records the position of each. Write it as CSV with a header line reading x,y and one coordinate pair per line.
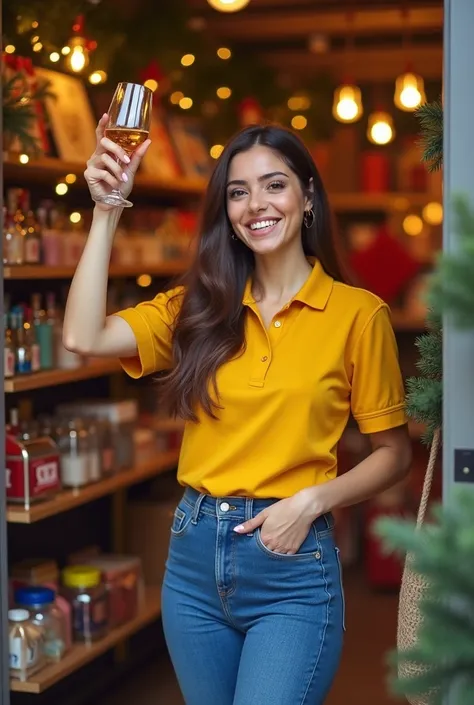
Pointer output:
x,y
19,111
430,116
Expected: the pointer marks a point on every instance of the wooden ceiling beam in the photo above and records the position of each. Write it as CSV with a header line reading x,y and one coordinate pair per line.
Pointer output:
x,y
277,26
369,65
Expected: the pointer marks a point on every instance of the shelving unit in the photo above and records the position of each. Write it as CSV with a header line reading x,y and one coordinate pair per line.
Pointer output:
x,y
164,269
80,654
69,499
49,378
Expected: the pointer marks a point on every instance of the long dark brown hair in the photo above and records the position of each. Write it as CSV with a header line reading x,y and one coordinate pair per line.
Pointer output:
x,y
209,329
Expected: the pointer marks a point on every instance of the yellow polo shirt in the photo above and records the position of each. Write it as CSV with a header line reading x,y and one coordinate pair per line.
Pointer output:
x,y
286,401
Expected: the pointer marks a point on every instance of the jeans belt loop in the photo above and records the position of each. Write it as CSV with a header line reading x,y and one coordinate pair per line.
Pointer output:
x,y
196,509
249,511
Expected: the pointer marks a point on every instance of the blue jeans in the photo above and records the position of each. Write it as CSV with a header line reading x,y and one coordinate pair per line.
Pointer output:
x,y
245,625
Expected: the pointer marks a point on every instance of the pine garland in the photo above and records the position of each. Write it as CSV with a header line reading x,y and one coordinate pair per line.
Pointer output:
x,y
443,553
19,111
431,122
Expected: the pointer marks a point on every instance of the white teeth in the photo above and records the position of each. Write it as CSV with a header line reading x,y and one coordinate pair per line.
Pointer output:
x,y
263,224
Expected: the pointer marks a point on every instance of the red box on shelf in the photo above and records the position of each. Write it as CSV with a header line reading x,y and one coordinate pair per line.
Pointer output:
x,y
32,469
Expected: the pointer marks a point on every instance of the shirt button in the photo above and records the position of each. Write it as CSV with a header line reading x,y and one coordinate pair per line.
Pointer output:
x,y
225,506
264,358
277,324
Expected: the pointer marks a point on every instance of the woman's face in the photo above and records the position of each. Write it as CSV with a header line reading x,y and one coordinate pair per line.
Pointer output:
x,y
265,202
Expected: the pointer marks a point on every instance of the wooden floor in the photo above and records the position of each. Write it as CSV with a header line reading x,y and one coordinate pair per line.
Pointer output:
x,y
371,626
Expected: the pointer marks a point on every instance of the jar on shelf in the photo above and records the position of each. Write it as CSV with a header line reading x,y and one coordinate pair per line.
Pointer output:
x,y
25,643
95,456
44,613
73,442
84,589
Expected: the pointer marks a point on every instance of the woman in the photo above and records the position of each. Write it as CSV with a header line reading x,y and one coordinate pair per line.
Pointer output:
x,y
268,352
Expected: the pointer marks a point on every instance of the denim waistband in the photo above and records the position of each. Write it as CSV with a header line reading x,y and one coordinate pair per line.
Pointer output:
x,y
239,508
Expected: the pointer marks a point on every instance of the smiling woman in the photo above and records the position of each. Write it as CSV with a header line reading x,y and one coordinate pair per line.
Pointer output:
x,y
268,352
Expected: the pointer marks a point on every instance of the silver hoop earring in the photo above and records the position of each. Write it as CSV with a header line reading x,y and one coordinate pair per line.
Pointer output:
x,y
308,218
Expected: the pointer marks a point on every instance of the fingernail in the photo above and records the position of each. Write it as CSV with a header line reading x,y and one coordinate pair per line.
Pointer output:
x,y
124,177
126,159
239,529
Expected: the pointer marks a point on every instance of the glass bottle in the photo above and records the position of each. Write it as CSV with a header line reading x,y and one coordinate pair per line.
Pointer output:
x,y
9,350
32,239
13,239
26,645
43,331
22,349
31,341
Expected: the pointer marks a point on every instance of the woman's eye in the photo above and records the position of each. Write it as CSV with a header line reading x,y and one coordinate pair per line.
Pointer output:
x,y
236,193
276,185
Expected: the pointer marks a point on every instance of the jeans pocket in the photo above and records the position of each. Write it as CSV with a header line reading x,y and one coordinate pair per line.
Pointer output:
x,y
309,549
341,583
181,521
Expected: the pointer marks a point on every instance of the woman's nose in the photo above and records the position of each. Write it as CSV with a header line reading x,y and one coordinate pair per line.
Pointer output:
x,y
257,203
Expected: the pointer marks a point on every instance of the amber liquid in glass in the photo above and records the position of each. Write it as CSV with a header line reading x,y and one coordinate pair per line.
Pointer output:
x,y
126,137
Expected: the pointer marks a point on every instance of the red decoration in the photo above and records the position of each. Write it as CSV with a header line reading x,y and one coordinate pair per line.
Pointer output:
x,y
375,172
250,112
385,266
154,72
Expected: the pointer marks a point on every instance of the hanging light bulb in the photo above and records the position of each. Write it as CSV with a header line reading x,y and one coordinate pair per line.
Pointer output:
x,y
347,105
228,5
409,92
78,57
380,128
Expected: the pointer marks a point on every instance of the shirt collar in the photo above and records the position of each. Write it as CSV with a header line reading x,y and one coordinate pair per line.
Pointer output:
x,y
315,292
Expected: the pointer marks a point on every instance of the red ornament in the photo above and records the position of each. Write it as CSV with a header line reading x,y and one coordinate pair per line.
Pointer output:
x,y
385,266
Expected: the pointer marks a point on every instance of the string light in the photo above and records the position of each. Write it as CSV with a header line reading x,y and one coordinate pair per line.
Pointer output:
x,y
37,47
228,5
433,213
409,92
61,189
75,217
78,58
10,49
54,57
98,77
299,122
65,51
35,39
71,179
380,128
413,225
176,97
223,92
224,53
144,280
151,84
347,105
216,151
23,159
185,103
188,59
299,102
35,25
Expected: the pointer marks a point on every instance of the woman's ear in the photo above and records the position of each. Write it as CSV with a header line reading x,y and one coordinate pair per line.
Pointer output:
x,y
309,200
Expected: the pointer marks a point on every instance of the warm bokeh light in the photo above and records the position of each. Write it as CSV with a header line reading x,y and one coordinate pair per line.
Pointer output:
x,y
176,97
409,92
97,77
299,122
223,92
216,151
144,280
54,57
188,60
37,47
61,189
65,51
23,159
299,102
228,5
413,225
185,103
433,213
151,84
347,104
224,53
380,128
75,217
10,49
71,179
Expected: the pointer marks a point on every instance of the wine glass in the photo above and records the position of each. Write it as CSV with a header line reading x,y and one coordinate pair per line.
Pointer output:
x,y
128,126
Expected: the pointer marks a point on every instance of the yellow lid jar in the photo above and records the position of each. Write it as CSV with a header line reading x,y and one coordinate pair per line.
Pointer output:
x,y
87,594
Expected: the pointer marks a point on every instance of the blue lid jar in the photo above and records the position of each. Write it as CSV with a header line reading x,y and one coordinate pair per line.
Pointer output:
x,y
34,595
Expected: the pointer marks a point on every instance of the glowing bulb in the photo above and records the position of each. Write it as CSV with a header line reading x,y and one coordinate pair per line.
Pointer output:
x,y
65,51
299,122
216,151
97,77
176,97
75,217
35,39
23,159
54,57
185,103
35,24
71,179
412,225
223,92
188,59
10,49
433,213
380,128
224,53
144,280
151,84
78,58
409,92
347,105
37,47
61,189
228,5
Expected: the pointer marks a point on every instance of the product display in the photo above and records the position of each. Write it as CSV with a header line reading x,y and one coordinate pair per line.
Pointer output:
x,y
83,587
44,613
25,641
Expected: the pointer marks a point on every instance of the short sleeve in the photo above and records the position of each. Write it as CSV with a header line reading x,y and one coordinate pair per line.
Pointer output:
x,y
152,324
378,393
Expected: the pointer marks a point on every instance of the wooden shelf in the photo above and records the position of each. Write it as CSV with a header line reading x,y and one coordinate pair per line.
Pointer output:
x,y
49,378
50,170
80,655
165,269
69,499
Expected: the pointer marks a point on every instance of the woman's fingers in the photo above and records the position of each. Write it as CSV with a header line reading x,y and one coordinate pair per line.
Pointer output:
x,y
138,155
113,166
94,175
113,148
